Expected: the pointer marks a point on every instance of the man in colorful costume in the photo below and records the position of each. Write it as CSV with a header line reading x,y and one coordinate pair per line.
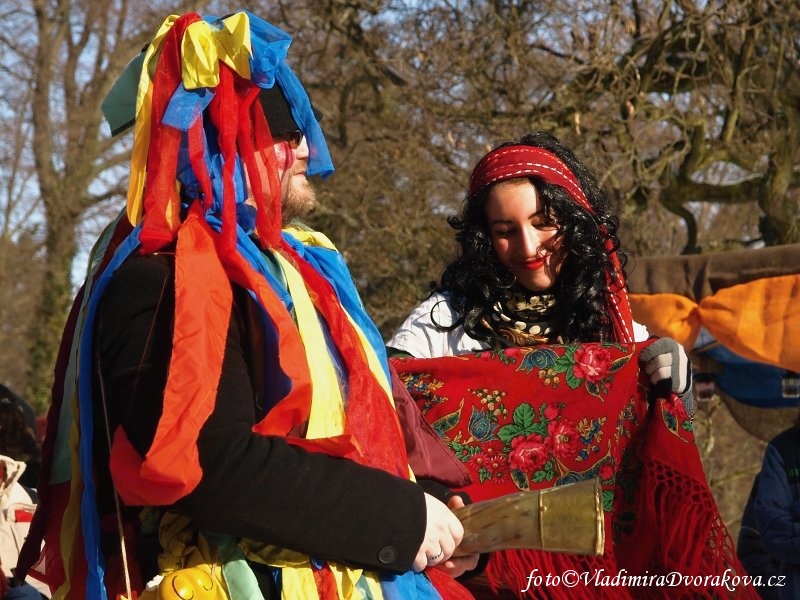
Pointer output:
x,y
222,418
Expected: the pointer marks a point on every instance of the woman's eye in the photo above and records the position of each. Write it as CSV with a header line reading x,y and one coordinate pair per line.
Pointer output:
x,y
545,225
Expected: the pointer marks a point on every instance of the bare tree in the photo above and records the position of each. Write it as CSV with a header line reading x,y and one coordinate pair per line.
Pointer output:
x,y
687,109
673,101
68,53
19,238
18,243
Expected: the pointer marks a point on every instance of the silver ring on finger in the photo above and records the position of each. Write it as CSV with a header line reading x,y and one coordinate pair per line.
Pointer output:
x,y
435,558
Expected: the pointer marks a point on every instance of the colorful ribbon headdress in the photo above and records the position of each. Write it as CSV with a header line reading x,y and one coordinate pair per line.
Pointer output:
x,y
510,162
197,122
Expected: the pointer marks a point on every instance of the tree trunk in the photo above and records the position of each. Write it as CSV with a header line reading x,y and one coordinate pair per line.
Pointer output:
x,y
52,310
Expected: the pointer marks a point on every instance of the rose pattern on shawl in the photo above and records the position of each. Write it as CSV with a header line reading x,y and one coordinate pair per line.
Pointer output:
x,y
605,472
564,437
641,450
528,453
590,365
534,443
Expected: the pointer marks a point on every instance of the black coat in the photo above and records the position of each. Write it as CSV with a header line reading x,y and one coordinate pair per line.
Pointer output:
x,y
252,486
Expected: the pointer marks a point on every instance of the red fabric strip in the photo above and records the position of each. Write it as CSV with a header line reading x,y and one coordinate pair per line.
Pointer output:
x,y
161,202
448,588
196,146
171,468
270,218
256,150
326,583
224,112
367,402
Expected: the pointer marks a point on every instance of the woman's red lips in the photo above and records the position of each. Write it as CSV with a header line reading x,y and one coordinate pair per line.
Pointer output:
x,y
534,264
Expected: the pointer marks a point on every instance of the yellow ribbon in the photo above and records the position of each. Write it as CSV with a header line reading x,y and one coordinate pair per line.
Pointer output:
x,y
202,47
314,238
326,418
309,237
141,128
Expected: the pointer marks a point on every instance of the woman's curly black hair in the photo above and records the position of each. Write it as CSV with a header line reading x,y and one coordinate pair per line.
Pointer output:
x,y
476,279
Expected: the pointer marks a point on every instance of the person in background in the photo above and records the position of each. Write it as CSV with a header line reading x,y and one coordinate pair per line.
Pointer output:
x,y
538,263
235,425
777,507
17,506
750,549
18,439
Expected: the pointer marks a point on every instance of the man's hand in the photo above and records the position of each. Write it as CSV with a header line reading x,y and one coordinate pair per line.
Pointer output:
x,y
443,532
666,363
455,567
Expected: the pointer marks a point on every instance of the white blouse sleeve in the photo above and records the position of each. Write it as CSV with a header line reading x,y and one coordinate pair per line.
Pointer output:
x,y
421,334
640,332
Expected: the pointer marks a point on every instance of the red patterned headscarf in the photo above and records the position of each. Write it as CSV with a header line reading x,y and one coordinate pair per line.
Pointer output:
x,y
511,162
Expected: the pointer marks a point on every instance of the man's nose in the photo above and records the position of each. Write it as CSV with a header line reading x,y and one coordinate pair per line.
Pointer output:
x,y
302,149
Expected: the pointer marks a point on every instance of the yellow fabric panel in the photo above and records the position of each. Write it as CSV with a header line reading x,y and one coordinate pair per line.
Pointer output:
x,y
667,315
346,581
141,127
315,238
759,320
298,583
204,45
309,237
327,405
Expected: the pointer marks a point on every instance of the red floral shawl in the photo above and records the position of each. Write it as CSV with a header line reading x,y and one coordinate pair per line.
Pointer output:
x,y
534,418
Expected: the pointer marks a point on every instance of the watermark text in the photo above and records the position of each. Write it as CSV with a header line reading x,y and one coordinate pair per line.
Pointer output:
x,y
600,578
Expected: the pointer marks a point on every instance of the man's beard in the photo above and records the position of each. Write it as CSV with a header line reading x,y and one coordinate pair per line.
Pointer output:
x,y
298,195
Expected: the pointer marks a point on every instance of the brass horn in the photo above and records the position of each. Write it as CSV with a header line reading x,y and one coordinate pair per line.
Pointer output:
x,y
566,518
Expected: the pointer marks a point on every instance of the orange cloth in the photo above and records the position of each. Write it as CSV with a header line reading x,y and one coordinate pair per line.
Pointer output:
x,y
757,320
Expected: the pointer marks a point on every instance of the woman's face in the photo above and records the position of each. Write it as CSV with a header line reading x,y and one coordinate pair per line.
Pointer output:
x,y
523,238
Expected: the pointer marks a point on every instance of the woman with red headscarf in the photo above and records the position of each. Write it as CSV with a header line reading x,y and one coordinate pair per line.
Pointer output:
x,y
539,282
538,263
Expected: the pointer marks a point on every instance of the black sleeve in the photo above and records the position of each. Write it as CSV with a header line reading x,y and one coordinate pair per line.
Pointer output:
x,y
252,486
441,492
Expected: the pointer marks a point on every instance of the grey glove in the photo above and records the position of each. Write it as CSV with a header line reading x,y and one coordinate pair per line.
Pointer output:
x,y
666,363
